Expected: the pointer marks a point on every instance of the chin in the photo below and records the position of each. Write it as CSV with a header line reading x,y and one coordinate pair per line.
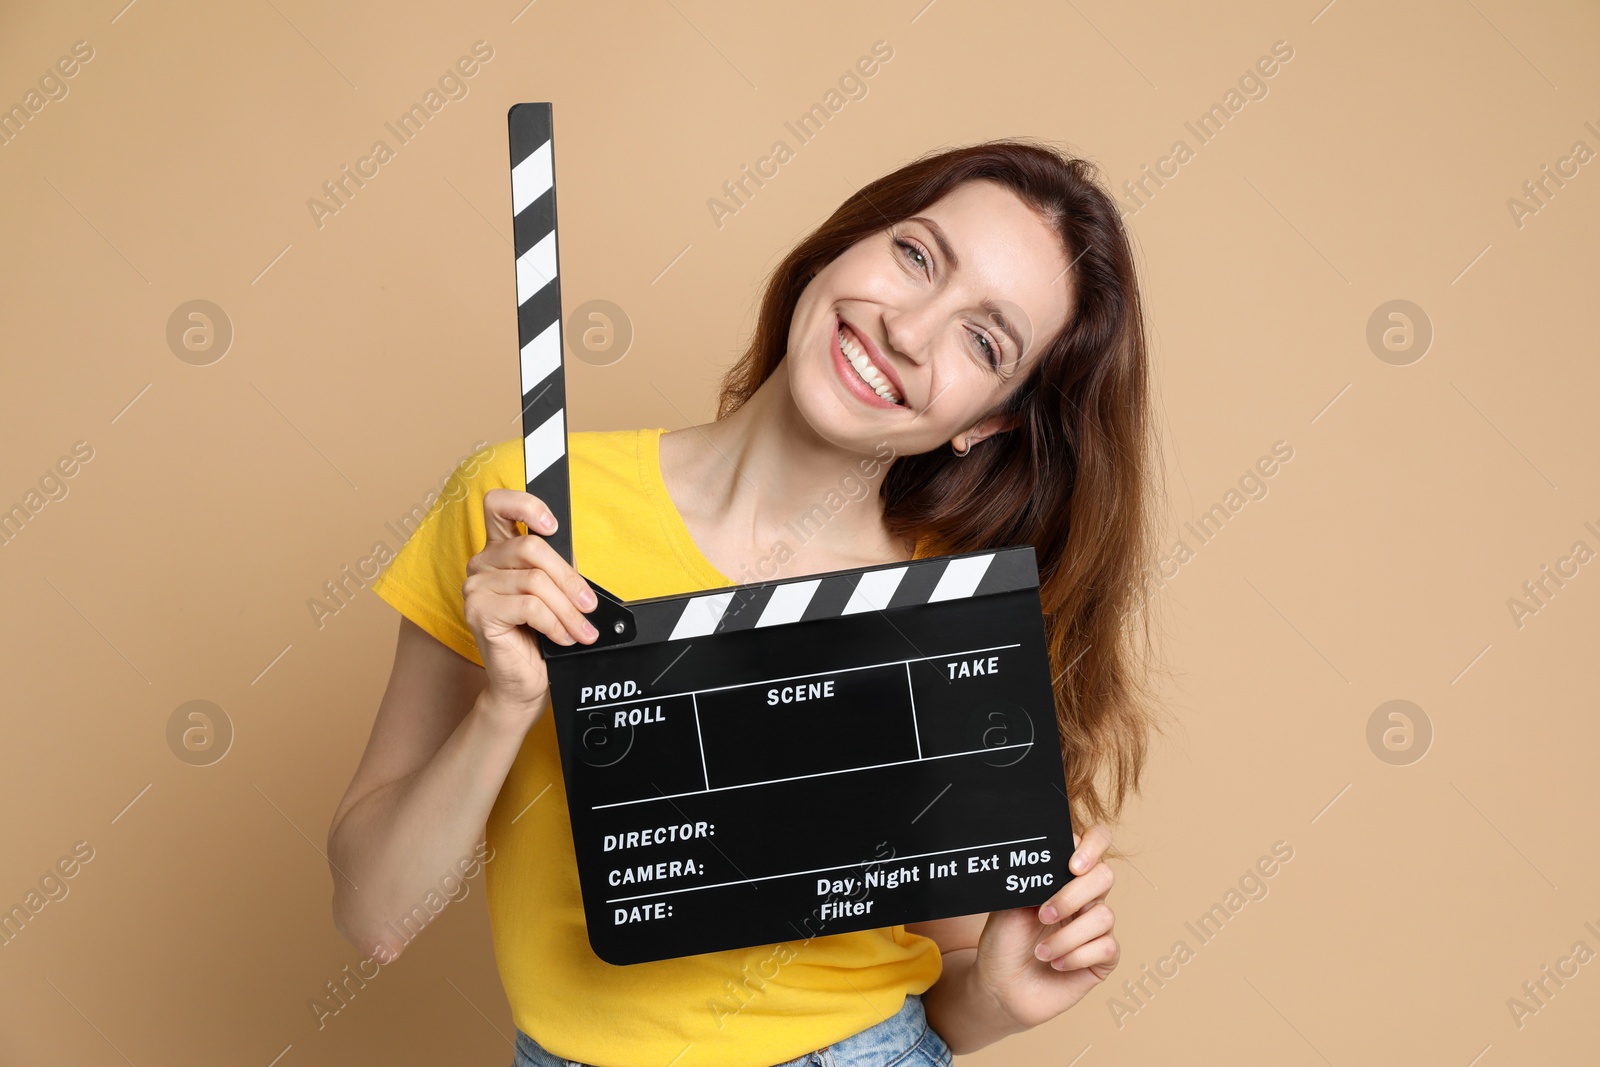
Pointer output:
x,y
835,419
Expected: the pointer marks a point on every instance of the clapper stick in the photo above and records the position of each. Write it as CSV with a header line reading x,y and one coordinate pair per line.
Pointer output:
x,y
794,758
544,387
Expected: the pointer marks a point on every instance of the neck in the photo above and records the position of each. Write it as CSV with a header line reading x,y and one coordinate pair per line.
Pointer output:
x,y
770,486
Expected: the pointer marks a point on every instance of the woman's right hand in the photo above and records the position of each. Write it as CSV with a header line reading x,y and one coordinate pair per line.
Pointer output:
x,y
519,579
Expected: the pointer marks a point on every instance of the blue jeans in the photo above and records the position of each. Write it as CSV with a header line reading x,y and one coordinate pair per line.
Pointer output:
x,y
903,1040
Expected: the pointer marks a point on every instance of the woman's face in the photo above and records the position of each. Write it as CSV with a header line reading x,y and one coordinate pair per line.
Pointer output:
x,y
944,313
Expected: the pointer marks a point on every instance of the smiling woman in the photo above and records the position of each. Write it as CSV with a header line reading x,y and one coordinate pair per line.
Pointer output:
x,y
974,317
980,293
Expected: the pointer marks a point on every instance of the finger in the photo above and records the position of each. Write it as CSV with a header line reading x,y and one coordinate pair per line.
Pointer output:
x,y
502,508
494,606
533,551
1090,849
531,610
1102,952
1081,930
1078,892
541,584
501,554
532,581
1091,902
537,552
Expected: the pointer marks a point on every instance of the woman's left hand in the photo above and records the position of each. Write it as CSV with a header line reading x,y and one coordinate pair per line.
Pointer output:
x,y
1035,963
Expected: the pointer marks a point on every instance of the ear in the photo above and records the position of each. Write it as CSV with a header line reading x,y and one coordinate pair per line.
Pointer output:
x,y
992,425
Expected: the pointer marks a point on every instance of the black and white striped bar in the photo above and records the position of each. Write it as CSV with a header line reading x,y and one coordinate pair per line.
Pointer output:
x,y
544,393
833,595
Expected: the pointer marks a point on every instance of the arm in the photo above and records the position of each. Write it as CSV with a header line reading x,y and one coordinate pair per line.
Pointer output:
x,y
433,766
957,1008
447,730
1011,970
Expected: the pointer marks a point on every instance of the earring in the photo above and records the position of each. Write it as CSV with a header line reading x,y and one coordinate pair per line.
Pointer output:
x,y
961,452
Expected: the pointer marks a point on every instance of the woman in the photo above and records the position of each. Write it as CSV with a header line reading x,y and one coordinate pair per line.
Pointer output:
x,y
963,339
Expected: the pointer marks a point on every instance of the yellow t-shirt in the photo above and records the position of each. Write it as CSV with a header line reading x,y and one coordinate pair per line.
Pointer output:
x,y
755,1006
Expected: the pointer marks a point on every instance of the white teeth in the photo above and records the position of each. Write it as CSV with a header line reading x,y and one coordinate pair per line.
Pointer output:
x,y
865,368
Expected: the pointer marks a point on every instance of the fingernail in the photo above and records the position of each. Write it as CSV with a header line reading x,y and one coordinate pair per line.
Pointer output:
x,y
548,522
590,631
1041,952
1047,914
589,600
1080,862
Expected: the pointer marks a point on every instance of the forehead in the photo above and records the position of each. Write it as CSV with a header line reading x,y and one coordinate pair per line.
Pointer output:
x,y
1006,252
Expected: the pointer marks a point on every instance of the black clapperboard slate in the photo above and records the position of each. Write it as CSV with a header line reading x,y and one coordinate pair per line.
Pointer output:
x,y
788,759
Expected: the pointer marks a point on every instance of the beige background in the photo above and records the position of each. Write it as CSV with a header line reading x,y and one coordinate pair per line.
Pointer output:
x,y
370,353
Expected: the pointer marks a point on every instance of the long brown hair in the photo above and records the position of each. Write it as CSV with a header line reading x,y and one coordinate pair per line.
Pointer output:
x,y
1073,478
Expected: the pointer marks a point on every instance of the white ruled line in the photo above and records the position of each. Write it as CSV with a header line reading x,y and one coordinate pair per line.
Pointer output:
x,y
819,870
911,691
792,677
815,774
701,741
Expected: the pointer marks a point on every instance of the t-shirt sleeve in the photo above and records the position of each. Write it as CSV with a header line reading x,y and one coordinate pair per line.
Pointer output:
x,y
423,581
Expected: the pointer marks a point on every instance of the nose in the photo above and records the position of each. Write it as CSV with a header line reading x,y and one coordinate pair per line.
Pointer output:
x,y
910,329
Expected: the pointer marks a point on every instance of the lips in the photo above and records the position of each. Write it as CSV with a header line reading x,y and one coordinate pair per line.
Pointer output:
x,y
875,357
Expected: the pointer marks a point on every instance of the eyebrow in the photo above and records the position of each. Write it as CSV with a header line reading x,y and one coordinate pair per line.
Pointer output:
x,y
949,254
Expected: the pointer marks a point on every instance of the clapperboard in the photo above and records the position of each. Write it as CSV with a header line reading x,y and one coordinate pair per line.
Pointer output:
x,y
796,758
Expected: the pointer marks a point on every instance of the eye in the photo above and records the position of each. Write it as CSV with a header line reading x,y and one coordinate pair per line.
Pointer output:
x,y
990,349
914,250
918,255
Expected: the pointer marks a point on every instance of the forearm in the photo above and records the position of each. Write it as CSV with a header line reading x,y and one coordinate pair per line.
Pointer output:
x,y
394,845
966,1016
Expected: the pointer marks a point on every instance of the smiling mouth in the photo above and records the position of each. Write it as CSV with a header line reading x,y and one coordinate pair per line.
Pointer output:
x,y
865,369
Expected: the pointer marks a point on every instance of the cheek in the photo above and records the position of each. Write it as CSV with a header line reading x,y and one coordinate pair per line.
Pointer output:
x,y
807,332
957,397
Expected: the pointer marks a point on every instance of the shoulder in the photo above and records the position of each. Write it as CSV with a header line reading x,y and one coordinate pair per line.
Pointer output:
x,y
610,447
496,466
